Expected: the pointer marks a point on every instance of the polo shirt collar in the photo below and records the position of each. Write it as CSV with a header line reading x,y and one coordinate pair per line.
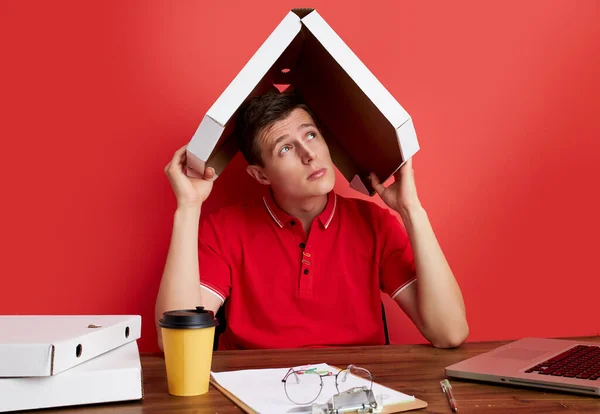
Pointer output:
x,y
283,219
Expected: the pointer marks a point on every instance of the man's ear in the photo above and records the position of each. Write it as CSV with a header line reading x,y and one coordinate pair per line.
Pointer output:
x,y
258,174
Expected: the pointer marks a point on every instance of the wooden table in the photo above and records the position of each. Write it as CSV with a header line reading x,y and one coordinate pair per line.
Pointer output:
x,y
412,369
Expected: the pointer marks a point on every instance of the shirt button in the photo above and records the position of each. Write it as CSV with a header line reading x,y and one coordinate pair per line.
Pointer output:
x,y
302,245
305,271
292,223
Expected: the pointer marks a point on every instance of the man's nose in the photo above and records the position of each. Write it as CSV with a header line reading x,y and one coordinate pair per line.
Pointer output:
x,y
307,154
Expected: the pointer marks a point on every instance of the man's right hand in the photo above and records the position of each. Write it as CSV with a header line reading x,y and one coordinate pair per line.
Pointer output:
x,y
190,192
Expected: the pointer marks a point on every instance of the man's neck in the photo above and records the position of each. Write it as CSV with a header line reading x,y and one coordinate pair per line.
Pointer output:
x,y
305,209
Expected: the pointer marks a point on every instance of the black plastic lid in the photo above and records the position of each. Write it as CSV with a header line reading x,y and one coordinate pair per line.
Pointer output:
x,y
188,319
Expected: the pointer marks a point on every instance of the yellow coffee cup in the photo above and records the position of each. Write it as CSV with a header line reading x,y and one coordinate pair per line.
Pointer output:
x,y
188,337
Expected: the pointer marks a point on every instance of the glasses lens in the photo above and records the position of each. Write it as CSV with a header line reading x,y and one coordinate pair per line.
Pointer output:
x,y
303,388
353,377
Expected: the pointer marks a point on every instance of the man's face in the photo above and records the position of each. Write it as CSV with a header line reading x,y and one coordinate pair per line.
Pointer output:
x,y
296,158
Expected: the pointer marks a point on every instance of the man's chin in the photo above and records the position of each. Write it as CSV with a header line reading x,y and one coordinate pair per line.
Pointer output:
x,y
322,187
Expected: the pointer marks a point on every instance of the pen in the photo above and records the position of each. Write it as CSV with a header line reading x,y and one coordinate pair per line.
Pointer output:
x,y
447,389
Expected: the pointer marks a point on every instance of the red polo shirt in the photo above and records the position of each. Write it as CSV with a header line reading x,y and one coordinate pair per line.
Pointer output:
x,y
286,290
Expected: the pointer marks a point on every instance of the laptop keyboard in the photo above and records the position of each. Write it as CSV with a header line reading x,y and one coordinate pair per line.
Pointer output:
x,y
581,361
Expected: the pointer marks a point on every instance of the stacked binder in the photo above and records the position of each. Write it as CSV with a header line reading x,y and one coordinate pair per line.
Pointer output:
x,y
57,361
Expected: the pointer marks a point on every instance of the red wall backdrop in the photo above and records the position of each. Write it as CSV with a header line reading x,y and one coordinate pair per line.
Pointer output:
x,y
504,95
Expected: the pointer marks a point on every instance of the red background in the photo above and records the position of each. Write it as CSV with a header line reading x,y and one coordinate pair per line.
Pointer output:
x,y
504,96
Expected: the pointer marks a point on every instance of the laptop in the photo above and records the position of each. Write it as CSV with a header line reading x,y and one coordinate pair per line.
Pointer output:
x,y
553,364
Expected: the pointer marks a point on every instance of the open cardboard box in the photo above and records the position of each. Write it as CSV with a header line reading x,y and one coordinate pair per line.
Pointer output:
x,y
365,127
44,345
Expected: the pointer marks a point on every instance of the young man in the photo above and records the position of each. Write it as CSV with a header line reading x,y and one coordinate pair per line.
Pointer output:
x,y
303,266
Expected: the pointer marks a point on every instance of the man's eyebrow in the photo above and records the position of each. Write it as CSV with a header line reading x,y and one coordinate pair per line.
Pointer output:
x,y
281,138
278,140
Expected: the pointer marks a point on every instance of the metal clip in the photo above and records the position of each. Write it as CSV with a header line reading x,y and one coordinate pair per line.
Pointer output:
x,y
356,400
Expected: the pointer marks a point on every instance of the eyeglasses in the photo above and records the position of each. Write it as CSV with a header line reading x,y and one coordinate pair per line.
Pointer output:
x,y
304,386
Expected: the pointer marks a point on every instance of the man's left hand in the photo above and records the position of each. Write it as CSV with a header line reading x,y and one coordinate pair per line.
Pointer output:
x,y
402,193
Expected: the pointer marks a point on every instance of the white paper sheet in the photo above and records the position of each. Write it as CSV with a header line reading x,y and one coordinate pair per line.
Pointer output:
x,y
263,391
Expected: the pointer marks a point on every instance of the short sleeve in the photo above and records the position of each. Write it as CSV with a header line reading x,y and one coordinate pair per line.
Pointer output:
x,y
215,271
397,265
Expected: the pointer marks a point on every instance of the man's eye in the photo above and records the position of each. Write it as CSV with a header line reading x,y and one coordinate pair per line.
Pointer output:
x,y
311,135
285,149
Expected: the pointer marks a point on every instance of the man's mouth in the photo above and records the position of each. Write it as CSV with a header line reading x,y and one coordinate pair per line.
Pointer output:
x,y
317,174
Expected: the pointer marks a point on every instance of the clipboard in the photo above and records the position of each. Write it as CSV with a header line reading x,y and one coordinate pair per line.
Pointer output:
x,y
417,404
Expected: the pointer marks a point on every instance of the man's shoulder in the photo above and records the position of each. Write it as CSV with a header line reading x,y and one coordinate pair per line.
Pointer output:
x,y
365,208
237,213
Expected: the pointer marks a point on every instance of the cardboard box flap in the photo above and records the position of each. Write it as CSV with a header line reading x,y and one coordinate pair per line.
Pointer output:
x,y
212,140
255,69
367,130
407,139
369,141
48,345
39,355
113,376
356,70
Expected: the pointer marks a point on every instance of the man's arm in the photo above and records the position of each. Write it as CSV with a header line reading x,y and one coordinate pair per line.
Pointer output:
x,y
434,302
180,284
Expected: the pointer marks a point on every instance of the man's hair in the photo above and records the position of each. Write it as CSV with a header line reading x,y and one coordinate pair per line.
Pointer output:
x,y
258,114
